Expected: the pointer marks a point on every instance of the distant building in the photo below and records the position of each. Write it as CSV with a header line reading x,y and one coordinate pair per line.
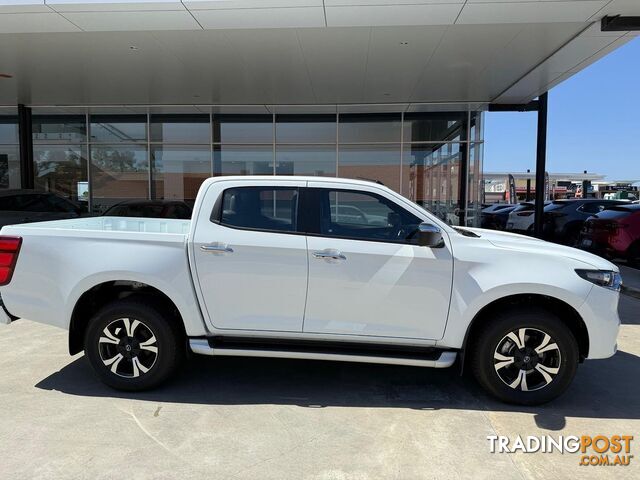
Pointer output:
x,y
560,185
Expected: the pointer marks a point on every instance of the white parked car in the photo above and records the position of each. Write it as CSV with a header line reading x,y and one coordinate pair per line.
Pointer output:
x,y
522,217
292,267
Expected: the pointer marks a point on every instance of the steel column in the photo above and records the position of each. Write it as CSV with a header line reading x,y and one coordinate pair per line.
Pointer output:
x,y
541,164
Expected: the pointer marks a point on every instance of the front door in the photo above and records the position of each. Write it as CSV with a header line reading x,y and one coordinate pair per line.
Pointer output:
x,y
366,274
250,261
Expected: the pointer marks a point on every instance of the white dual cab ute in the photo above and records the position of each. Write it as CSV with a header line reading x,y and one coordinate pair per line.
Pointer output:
x,y
313,268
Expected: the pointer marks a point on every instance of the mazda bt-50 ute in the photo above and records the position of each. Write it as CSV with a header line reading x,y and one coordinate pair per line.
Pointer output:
x,y
314,268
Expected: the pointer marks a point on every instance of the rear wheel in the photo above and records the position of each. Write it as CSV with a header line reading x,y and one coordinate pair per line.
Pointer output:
x,y
526,358
132,346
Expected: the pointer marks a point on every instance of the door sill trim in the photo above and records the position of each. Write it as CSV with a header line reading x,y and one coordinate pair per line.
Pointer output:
x,y
430,357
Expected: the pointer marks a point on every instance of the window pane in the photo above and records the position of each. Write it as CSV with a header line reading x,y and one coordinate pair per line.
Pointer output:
x,y
59,129
365,216
243,160
305,129
8,129
371,162
178,172
369,128
118,128
475,186
263,208
432,176
118,173
319,160
434,127
180,129
243,128
61,169
9,166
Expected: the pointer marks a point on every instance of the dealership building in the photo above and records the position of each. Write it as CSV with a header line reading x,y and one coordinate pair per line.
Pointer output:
x,y
103,101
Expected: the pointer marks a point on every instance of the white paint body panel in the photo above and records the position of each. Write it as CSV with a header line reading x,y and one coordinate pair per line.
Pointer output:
x,y
383,293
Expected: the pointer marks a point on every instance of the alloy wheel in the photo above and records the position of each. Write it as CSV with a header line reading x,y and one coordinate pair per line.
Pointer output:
x,y
128,347
527,359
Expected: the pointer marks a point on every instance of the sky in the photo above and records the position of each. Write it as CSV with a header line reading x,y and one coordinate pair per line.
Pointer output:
x,y
593,123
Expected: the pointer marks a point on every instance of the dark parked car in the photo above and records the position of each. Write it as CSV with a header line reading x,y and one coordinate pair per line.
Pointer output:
x,y
495,217
150,209
614,233
563,219
25,206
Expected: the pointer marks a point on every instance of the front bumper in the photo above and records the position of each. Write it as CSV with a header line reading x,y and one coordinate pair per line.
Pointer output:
x,y
600,315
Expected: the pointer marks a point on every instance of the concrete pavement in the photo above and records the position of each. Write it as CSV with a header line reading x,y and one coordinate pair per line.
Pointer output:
x,y
282,419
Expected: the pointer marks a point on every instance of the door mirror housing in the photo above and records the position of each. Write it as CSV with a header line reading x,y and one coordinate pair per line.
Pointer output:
x,y
429,236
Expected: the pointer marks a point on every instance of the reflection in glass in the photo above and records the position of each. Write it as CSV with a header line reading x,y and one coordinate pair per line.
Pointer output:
x,y
371,162
432,176
434,127
306,129
383,127
118,172
8,129
177,172
9,166
180,129
59,129
475,188
318,160
61,169
476,132
118,128
243,160
243,128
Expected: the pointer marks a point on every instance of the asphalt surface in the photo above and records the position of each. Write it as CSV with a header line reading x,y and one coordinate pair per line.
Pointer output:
x,y
282,419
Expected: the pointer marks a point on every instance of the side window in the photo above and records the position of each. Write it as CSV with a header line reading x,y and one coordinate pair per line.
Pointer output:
x,y
365,216
592,207
260,208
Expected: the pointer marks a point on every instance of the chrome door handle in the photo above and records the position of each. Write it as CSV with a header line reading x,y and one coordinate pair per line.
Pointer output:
x,y
216,248
330,253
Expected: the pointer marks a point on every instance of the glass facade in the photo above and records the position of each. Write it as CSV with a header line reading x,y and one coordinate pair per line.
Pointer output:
x,y
9,149
102,158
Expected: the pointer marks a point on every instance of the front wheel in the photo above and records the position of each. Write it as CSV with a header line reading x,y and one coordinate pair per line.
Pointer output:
x,y
132,346
526,358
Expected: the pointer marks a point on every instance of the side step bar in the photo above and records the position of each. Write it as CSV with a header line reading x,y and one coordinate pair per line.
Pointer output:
x,y
441,359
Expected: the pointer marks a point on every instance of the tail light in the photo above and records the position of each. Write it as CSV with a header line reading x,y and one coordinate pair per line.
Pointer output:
x,y
9,249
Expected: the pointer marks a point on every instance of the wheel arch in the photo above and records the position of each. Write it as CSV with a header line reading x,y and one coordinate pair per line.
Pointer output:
x,y
567,314
106,292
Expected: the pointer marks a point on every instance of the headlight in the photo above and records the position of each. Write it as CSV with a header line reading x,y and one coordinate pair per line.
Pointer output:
x,y
602,278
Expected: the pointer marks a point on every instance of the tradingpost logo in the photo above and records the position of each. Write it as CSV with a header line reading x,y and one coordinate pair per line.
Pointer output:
x,y
594,450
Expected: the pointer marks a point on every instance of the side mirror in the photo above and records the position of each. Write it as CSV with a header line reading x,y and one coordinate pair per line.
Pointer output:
x,y
429,236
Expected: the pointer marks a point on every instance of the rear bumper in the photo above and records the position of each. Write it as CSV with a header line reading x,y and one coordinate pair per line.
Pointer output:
x,y
4,318
600,315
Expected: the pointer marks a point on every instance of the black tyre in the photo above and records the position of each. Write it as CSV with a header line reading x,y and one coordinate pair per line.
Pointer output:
x,y
525,357
132,346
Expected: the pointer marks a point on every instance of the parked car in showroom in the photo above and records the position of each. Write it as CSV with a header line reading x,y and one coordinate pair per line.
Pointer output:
x,y
495,217
268,267
522,217
563,219
25,206
150,209
614,233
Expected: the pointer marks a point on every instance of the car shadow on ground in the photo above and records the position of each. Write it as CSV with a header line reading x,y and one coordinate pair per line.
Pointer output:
x,y
602,388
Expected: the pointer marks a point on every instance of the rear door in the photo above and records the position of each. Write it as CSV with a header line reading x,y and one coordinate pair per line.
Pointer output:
x,y
250,260
367,276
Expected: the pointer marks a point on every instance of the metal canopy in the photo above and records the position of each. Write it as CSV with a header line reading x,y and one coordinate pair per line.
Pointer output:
x,y
297,52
